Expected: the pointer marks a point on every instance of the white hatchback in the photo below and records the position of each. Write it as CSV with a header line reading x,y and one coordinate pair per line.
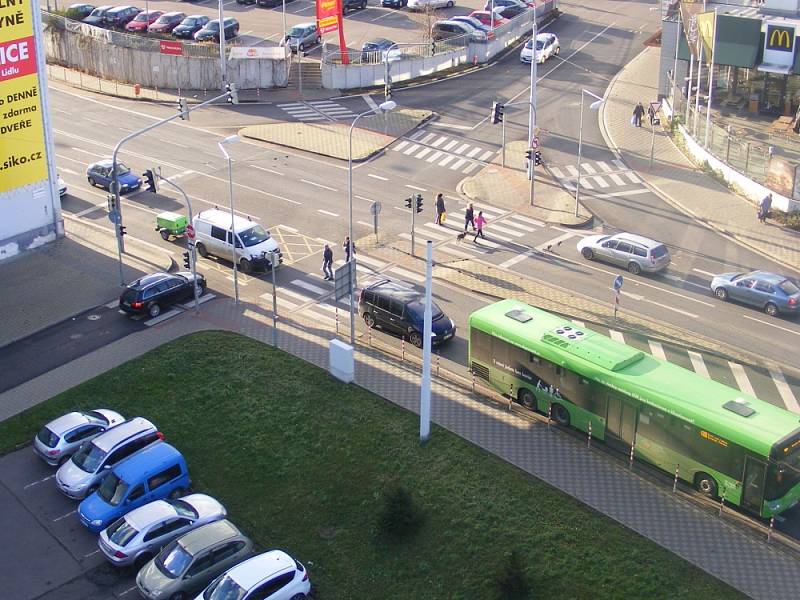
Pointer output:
x,y
273,575
547,45
423,4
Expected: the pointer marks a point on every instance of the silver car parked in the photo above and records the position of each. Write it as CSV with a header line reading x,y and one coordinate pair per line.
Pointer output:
x,y
57,441
138,536
302,36
82,474
634,252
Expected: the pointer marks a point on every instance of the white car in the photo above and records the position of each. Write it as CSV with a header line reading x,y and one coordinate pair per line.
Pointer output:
x,y
547,45
138,536
422,4
62,187
273,575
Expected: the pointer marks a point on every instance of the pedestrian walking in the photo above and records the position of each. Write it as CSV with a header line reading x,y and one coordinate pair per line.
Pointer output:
x,y
651,115
638,113
469,217
763,208
480,221
327,262
347,247
440,210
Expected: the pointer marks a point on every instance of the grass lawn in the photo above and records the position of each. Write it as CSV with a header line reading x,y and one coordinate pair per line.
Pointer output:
x,y
301,461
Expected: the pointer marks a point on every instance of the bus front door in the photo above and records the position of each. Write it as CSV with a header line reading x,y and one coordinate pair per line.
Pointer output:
x,y
755,472
620,423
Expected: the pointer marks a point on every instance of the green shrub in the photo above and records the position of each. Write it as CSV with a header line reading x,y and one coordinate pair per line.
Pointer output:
x,y
512,583
400,517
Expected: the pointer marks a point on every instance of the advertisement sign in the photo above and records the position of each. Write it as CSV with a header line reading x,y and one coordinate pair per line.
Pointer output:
x,y
779,46
780,176
22,145
329,15
171,47
274,52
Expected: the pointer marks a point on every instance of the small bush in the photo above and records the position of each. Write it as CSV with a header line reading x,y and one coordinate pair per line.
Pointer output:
x,y
512,582
791,220
401,517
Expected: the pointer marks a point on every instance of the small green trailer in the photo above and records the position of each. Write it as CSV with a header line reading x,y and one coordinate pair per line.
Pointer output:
x,y
171,224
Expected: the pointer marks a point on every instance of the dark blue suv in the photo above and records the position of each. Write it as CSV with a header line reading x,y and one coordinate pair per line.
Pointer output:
x,y
398,308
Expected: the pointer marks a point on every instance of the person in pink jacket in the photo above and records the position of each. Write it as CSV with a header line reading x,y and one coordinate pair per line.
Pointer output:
x,y
480,221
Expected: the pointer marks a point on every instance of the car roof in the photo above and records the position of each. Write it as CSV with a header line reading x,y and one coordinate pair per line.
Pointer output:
x,y
638,239
221,218
308,24
767,276
379,41
107,440
545,36
395,289
106,162
67,422
173,13
195,16
117,9
152,456
259,568
150,513
208,535
149,280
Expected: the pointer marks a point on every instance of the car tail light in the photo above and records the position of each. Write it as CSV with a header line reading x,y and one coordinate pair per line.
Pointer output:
x,y
136,305
305,575
119,554
652,259
53,452
792,301
160,435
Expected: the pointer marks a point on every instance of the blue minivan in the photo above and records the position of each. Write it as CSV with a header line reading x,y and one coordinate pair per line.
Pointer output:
x,y
155,473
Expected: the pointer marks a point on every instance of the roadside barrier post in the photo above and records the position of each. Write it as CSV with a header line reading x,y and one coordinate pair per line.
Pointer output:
x,y
675,481
369,329
549,414
722,502
438,356
336,313
630,461
771,527
473,381
589,442
402,349
510,396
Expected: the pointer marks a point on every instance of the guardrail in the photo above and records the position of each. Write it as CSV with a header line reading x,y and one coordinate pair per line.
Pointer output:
x,y
398,52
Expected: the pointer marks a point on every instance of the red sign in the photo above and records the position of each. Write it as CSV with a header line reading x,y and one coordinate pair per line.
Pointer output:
x,y
329,15
17,58
190,232
170,47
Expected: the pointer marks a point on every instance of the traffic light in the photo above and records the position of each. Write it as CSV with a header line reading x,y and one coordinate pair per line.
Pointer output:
x,y
409,202
150,178
418,199
187,262
537,158
183,108
122,231
112,203
433,47
233,93
497,113
529,154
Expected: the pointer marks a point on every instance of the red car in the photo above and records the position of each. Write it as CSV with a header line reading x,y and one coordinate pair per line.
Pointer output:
x,y
167,22
483,17
143,20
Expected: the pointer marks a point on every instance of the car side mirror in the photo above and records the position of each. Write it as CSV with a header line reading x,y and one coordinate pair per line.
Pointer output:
x,y
106,467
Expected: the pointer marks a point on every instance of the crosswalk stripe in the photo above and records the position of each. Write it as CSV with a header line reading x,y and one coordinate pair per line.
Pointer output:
x,y
418,134
555,241
496,227
461,148
470,167
309,286
604,166
457,165
330,321
450,145
488,243
378,264
281,302
657,350
439,142
485,156
422,153
616,179
457,253
436,232
411,149
512,221
325,306
573,172
473,152
407,274
631,177
528,220
434,156
741,378
497,236
473,247
585,183
698,364
291,294
427,138
785,391
589,168
557,173
616,336
400,146
600,182
446,160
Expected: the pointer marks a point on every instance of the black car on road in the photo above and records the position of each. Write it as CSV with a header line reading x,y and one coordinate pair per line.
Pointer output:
x,y
150,294
398,308
97,16
190,25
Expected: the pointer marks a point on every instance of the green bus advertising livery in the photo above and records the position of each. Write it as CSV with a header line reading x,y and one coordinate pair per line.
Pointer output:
x,y
721,441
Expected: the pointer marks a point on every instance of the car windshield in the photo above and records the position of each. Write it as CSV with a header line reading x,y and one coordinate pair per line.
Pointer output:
x,y
97,12
295,32
184,509
173,560
539,44
47,437
164,19
224,588
788,288
88,457
212,25
113,489
142,17
93,414
417,310
121,532
189,21
122,169
253,236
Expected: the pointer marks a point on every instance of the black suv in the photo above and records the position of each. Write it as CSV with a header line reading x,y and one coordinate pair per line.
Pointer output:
x,y
151,293
398,308
353,5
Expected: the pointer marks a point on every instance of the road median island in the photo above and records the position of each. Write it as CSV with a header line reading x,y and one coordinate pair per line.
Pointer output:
x,y
303,462
372,135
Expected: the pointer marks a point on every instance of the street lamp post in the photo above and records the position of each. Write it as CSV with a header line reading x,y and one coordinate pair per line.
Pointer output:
x,y
223,65
593,106
231,139
384,107
532,110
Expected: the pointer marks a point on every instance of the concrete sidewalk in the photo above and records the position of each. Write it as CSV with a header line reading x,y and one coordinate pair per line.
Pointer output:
x,y
675,178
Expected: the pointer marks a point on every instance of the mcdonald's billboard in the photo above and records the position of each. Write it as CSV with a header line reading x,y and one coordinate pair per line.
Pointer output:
x,y
779,38
779,46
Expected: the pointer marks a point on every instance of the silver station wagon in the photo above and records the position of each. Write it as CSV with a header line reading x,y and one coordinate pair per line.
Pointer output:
x,y
634,252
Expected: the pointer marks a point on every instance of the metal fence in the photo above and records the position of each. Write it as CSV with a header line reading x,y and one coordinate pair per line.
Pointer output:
x,y
397,52
147,42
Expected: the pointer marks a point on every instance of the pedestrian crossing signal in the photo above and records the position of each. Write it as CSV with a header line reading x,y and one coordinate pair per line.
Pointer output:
x,y
409,202
418,199
232,90
537,158
183,108
497,113
529,154
187,261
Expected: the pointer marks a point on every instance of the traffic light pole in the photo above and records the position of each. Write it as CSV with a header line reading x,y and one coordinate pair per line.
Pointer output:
x,y
115,175
532,111
413,224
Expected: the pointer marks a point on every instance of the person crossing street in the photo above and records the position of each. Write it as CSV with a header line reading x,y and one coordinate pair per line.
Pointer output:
x,y
440,210
469,217
327,262
347,246
480,221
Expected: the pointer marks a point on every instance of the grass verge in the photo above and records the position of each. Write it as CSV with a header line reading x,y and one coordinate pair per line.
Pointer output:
x,y
303,462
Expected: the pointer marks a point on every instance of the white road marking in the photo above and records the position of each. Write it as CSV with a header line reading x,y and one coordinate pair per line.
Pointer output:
x,y
600,182
423,152
319,185
657,350
407,274
308,286
616,179
418,134
589,168
163,317
704,272
698,364
411,149
473,152
57,519
433,157
485,156
516,259
484,242
446,160
512,221
450,250
554,241
91,553
427,138
450,145
377,177
439,142
112,304
365,224
38,482
573,172
327,212
461,148
529,221
631,177
771,324
274,172
287,228
413,187
370,102
378,264
363,198
400,146
557,173
457,165
785,391
86,211
741,378
291,294
681,280
604,166
470,167
512,232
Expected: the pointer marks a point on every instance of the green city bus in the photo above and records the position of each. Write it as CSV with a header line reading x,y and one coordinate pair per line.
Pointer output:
x,y
722,441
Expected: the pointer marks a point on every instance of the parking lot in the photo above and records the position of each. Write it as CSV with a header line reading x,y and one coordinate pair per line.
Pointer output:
x,y
54,556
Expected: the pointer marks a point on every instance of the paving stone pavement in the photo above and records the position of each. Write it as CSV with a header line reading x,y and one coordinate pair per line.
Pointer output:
x,y
675,177
598,480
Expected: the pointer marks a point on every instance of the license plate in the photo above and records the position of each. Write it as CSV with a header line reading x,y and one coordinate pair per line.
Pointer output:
x,y
448,336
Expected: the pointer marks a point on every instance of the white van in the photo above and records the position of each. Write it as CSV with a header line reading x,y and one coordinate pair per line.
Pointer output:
x,y
254,245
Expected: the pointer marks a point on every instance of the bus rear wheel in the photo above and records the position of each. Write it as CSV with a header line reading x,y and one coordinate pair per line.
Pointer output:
x,y
527,399
560,415
705,484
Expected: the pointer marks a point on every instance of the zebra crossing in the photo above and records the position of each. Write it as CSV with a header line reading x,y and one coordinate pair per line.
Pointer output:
x,y
445,151
601,176
768,384
317,110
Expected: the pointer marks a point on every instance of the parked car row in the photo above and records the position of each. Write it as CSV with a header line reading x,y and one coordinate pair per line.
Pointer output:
x,y
133,489
135,20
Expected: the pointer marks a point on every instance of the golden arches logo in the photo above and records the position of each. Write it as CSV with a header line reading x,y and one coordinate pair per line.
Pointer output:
x,y
780,39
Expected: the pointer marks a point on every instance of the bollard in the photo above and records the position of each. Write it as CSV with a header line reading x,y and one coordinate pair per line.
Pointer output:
x,y
370,336
438,356
747,158
473,382
675,482
721,502
403,349
630,461
549,413
771,527
510,397
589,443
336,313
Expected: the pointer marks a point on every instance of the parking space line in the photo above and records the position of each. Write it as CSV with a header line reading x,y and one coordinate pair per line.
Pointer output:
x,y
163,317
91,553
57,519
30,485
130,589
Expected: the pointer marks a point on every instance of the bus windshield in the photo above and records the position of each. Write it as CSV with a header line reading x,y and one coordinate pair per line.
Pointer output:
x,y
783,475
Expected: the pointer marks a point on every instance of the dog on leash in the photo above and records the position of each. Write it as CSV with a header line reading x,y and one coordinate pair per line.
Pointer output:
x,y
461,236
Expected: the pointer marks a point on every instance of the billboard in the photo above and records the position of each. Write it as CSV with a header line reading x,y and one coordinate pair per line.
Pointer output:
x,y
779,47
23,159
329,15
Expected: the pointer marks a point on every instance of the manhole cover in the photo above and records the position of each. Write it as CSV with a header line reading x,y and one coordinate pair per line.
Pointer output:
x,y
93,317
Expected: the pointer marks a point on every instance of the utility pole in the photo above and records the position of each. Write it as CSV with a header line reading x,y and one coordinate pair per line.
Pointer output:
x,y
414,204
532,109
425,390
